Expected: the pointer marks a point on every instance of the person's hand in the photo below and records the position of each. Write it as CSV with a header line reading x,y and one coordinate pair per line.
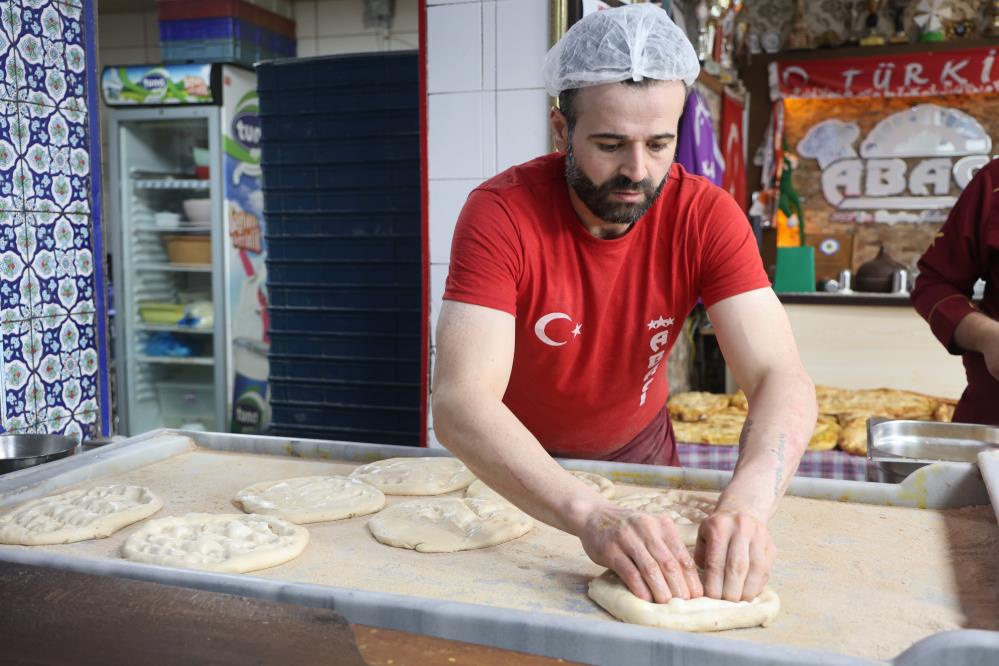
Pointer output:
x,y
644,550
736,551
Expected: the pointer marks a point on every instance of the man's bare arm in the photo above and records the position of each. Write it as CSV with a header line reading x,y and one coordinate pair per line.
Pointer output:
x,y
980,333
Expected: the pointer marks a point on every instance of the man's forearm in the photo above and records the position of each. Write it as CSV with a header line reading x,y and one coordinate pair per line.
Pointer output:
x,y
485,434
976,332
782,415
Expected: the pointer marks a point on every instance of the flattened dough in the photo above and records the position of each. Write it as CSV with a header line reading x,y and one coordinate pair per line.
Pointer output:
x,y
684,509
701,614
77,515
311,499
415,476
449,524
228,542
601,484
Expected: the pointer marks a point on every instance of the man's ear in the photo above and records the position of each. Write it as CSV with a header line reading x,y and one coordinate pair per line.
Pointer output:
x,y
560,129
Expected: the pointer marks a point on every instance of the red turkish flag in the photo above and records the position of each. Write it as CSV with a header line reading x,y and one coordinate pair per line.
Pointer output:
x,y
733,147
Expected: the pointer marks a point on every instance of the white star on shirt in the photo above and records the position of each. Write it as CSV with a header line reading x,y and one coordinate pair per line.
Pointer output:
x,y
669,322
578,330
659,323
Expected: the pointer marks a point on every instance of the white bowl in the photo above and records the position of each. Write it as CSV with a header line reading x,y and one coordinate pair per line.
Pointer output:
x,y
198,210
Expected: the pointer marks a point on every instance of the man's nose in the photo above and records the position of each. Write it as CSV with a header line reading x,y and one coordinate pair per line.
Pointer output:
x,y
634,163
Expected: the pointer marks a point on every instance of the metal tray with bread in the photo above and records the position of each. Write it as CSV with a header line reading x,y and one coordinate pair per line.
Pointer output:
x,y
897,448
867,572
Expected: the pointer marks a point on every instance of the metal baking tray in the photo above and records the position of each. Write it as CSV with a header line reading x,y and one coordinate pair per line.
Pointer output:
x,y
897,448
943,485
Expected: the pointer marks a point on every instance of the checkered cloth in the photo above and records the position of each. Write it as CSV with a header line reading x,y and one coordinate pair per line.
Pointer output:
x,y
823,464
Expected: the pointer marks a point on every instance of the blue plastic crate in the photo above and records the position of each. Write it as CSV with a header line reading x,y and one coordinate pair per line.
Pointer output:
x,y
223,27
213,50
385,68
344,393
330,124
341,201
345,345
347,149
334,296
357,224
345,434
396,419
349,176
364,370
345,273
329,320
306,101
343,247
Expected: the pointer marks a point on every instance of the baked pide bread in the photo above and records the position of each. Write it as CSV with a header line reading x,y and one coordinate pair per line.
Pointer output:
x,y
712,418
853,432
718,429
826,434
696,405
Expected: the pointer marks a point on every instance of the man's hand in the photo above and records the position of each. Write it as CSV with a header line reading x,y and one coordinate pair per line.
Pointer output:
x,y
990,351
644,550
737,553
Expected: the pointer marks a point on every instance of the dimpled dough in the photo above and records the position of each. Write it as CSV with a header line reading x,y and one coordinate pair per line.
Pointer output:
x,y
449,524
415,476
686,510
601,484
311,499
77,515
701,614
232,543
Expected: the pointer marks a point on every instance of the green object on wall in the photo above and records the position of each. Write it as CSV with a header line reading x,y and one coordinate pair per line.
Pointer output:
x,y
795,269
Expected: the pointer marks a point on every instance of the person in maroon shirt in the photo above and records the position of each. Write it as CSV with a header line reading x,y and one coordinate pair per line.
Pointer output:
x,y
966,250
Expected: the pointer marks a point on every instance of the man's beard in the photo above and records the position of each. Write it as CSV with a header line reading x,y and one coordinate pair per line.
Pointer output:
x,y
598,197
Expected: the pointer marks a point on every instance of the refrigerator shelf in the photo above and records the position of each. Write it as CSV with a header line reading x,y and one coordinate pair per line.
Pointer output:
x,y
166,328
176,360
174,268
171,184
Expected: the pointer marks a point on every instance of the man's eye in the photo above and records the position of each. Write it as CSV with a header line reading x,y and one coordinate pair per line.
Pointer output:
x,y
658,147
608,147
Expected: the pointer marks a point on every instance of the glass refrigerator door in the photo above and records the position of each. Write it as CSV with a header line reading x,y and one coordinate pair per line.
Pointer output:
x,y
167,213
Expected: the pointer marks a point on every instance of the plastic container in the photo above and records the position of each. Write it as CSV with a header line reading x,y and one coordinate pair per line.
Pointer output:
x,y
188,249
263,16
198,210
161,313
184,402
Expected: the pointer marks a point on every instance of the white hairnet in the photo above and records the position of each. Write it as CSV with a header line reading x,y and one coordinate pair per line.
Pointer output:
x,y
631,42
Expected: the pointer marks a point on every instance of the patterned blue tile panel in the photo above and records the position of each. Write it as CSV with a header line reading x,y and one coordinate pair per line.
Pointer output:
x,y
63,264
50,49
20,296
68,367
11,151
23,389
78,426
57,159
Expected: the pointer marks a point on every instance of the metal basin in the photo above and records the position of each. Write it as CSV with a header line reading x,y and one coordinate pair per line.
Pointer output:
x,y
895,448
20,451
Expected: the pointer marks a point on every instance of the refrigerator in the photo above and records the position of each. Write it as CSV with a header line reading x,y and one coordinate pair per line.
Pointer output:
x,y
186,220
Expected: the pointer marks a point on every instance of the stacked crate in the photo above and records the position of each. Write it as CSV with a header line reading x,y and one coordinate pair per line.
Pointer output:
x,y
241,31
340,157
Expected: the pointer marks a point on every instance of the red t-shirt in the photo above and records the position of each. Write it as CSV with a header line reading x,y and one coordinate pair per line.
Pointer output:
x,y
595,319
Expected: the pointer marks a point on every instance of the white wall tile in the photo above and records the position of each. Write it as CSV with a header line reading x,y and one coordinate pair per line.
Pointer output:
x,y
454,48
454,139
403,41
353,44
489,45
407,16
121,30
305,19
489,134
522,41
307,47
521,126
341,17
446,199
